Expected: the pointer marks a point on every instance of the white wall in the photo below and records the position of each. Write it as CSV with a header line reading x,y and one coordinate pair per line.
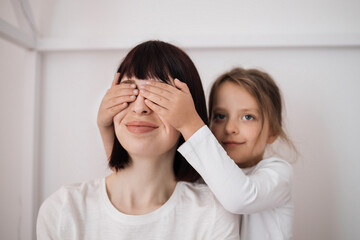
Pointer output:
x,y
320,94
319,85
17,78
112,18
11,136
17,126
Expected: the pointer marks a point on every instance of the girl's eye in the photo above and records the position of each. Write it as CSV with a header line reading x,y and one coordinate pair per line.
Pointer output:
x,y
218,116
247,117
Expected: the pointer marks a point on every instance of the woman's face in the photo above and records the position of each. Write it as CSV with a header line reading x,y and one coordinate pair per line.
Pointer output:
x,y
142,132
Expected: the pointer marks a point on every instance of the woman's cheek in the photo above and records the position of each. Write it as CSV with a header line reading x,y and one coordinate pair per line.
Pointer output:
x,y
167,126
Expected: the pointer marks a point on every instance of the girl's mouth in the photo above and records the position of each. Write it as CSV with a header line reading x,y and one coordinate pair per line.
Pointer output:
x,y
232,143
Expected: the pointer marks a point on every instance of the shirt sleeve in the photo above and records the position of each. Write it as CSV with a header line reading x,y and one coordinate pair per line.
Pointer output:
x,y
268,186
48,220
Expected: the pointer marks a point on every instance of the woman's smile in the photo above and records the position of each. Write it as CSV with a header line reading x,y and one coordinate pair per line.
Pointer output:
x,y
139,127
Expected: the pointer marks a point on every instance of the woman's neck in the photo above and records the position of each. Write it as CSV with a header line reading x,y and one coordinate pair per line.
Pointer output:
x,y
143,186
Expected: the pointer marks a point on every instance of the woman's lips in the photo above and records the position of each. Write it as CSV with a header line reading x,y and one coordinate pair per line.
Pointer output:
x,y
139,127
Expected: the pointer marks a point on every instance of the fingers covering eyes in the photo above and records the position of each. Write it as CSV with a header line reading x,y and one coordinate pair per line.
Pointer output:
x,y
114,102
156,108
157,99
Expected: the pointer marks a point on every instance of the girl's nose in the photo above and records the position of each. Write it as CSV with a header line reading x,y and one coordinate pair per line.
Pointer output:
x,y
232,127
139,106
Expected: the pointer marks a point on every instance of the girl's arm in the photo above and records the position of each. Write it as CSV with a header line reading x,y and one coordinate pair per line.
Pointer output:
x,y
115,100
107,136
267,187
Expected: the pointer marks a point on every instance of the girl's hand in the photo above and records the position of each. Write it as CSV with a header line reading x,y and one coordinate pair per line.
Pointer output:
x,y
174,104
115,100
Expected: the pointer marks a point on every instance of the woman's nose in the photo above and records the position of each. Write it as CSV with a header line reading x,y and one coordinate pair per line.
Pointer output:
x,y
232,127
139,106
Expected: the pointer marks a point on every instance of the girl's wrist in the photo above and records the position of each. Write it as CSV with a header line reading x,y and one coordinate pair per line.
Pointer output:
x,y
104,126
192,127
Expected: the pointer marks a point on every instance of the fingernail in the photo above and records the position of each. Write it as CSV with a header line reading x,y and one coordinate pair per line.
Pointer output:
x,y
148,82
133,85
135,91
142,91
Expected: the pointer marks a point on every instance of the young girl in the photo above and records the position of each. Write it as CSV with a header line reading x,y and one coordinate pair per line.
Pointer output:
x,y
245,113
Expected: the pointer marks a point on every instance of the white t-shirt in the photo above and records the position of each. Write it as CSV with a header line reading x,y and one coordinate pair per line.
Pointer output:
x,y
262,194
84,211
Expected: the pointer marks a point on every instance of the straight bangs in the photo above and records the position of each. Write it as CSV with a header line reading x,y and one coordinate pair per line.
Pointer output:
x,y
153,60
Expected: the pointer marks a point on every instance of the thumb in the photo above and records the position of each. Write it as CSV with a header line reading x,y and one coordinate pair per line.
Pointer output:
x,y
116,79
181,85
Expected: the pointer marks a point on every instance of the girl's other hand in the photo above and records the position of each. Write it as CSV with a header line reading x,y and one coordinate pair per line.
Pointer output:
x,y
115,100
174,104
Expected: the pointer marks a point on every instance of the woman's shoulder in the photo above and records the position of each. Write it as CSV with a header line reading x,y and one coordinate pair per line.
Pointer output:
x,y
196,192
80,189
198,200
72,194
197,186
71,204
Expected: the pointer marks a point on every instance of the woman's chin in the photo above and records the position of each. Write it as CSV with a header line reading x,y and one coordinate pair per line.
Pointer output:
x,y
142,151
149,152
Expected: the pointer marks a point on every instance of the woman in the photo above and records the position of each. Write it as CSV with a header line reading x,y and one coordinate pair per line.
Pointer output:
x,y
151,193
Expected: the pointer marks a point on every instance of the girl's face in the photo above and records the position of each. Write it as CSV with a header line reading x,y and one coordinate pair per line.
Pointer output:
x,y
142,132
236,123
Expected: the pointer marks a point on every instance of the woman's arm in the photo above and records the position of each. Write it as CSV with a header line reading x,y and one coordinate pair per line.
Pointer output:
x,y
268,186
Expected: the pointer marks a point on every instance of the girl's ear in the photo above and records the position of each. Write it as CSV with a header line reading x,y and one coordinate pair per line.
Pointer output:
x,y
271,138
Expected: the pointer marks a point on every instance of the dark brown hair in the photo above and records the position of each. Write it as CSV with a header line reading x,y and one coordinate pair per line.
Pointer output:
x,y
264,89
163,61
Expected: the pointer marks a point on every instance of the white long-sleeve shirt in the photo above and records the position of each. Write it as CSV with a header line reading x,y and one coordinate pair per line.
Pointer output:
x,y
84,211
261,194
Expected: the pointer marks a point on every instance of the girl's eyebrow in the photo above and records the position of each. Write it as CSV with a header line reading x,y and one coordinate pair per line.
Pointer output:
x,y
250,110
241,109
218,109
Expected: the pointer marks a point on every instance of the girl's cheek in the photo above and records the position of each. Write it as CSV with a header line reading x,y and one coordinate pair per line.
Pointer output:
x,y
212,128
215,126
215,129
